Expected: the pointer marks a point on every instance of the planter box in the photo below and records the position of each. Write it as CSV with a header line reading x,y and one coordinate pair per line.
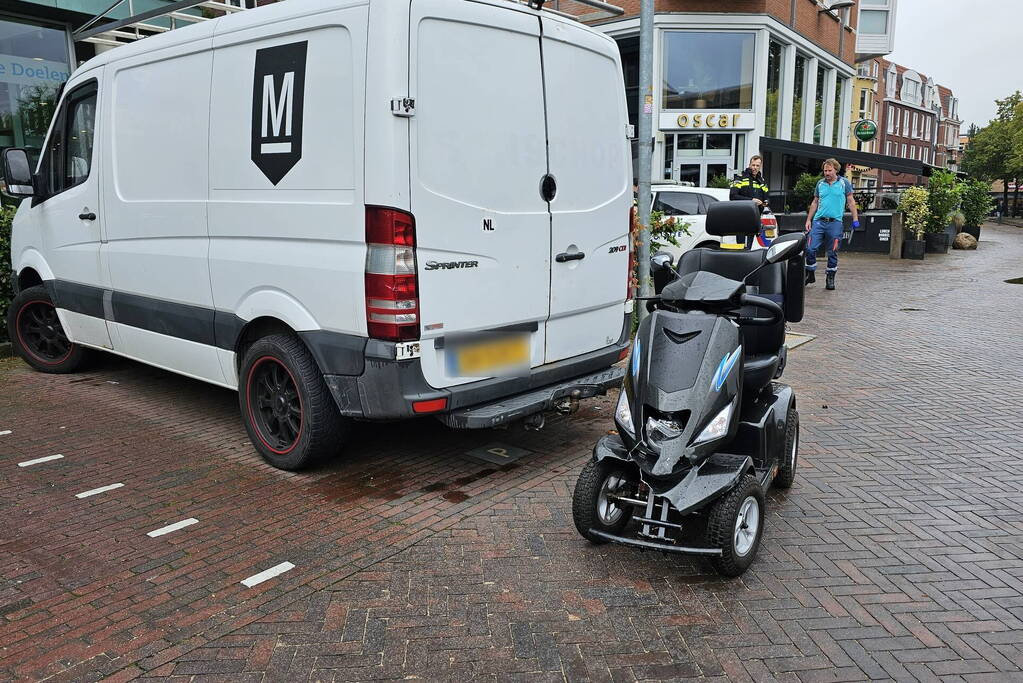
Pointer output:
x,y
972,230
936,242
873,236
913,249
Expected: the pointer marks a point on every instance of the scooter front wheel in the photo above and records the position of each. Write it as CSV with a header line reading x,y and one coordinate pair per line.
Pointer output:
x,y
594,502
735,525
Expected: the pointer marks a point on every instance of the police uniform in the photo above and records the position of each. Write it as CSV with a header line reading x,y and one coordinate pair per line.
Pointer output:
x,y
749,186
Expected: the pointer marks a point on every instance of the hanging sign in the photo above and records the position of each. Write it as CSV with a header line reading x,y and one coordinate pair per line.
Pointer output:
x,y
865,130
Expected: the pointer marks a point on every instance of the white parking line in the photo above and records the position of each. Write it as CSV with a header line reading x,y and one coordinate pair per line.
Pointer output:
x,y
172,527
5,432
268,574
101,489
39,460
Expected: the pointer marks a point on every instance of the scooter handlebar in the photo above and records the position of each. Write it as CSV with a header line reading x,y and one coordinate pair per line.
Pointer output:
x,y
778,315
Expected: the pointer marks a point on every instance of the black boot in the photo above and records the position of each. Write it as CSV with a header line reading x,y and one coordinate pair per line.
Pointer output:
x,y
830,280
810,277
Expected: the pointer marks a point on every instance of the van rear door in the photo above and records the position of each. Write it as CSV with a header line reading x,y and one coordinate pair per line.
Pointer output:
x,y
590,164
477,159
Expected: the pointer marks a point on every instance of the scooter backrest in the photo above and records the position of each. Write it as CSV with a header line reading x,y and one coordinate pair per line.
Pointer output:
x,y
740,217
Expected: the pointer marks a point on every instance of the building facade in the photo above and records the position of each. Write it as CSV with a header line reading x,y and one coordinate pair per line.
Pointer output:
x,y
948,151
730,75
910,110
866,107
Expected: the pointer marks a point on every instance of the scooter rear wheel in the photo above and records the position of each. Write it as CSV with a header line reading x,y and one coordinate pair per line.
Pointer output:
x,y
787,464
593,504
735,525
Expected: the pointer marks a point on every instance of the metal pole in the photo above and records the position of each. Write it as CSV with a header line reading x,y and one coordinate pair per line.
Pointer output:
x,y
646,109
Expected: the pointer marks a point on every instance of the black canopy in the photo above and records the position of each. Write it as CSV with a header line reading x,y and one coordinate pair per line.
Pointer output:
x,y
846,156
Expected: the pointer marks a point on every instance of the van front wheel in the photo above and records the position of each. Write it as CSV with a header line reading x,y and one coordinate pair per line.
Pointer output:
x,y
37,335
287,409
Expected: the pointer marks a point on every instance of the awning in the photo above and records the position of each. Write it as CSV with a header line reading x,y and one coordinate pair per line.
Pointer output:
x,y
846,156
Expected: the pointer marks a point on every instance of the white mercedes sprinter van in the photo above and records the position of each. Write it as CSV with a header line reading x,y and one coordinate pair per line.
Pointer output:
x,y
344,209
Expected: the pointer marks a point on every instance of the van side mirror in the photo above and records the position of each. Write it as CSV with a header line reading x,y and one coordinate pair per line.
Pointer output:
x,y
18,173
786,247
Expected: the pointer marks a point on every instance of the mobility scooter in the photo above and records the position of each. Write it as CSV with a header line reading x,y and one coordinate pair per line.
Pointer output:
x,y
702,428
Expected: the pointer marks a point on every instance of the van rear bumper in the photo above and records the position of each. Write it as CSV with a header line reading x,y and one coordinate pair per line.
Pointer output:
x,y
387,388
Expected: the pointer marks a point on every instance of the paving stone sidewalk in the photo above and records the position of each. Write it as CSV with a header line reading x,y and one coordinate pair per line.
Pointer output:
x,y
897,555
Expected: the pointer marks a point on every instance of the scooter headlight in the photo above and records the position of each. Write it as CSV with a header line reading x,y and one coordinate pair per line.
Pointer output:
x,y
718,427
623,414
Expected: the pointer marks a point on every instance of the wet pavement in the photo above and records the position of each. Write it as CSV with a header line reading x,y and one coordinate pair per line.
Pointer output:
x,y
898,553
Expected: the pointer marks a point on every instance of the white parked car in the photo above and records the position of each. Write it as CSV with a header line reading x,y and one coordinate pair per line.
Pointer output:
x,y
689,204
342,209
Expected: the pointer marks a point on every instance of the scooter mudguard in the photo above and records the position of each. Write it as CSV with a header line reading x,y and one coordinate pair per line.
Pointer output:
x,y
611,447
761,430
704,482
713,477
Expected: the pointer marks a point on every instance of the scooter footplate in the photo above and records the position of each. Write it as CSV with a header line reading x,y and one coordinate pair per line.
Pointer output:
x,y
650,545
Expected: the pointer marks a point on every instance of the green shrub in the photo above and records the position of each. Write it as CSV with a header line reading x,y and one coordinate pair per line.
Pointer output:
x,y
802,193
719,181
976,201
942,200
6,286
914,205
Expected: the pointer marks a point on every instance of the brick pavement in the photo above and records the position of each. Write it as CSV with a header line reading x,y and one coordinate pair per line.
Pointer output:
x,y
898,554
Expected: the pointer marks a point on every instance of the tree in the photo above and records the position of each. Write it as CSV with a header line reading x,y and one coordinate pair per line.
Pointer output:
x,y
996,151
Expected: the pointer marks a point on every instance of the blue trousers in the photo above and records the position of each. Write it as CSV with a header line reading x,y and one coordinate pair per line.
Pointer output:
x,y
828,233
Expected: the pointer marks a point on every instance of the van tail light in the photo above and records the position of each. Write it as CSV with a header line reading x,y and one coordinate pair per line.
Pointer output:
x,y
392,290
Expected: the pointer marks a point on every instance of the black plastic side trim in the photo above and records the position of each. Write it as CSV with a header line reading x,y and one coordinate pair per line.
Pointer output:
x,y
184,321
72,296
336,353
226,328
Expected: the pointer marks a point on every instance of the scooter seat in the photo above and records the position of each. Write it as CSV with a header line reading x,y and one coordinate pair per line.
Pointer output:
x,y
758,371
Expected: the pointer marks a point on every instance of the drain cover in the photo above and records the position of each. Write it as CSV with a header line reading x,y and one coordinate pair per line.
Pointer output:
x,y
498,453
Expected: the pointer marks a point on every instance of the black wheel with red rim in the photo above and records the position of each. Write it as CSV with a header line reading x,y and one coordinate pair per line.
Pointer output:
x,y
275,408
37,335
288,412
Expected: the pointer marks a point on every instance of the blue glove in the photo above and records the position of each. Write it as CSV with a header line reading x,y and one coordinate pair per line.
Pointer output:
x,y
856,224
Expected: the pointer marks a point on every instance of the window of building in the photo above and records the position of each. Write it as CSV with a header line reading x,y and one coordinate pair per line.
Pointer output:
x,y
927,155
911,90
708,70
905,123
774,59
818,105
863,104
891,81
799,93
927,128
873,22
903,150
35,61
916,125
891,119
836,134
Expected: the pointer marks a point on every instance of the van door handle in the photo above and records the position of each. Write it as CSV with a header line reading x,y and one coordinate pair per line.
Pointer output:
x,y
87,216
565,256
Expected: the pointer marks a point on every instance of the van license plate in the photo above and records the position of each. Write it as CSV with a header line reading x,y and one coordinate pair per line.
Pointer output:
x,y
493,355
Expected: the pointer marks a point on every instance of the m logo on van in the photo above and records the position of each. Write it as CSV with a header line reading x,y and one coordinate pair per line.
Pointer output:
x,y
278,93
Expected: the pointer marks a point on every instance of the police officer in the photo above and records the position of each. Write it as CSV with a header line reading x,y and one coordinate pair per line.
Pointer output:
x,y
832,196
750,184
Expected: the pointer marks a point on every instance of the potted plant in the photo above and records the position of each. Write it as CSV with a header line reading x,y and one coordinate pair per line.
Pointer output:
x,y
942,202
976,205
913,205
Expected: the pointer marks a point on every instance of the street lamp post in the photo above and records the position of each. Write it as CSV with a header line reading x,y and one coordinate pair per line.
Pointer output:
x,y
646,109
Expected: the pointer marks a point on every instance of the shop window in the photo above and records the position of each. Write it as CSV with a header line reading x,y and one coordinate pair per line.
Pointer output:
x,y
774,61
35,63
798,94
708,70
818,105
836,134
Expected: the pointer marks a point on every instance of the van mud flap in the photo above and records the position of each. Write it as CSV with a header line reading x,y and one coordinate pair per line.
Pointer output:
x,y
545,398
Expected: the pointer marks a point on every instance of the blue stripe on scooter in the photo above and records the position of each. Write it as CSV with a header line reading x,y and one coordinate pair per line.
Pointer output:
x,y
635,358
724,368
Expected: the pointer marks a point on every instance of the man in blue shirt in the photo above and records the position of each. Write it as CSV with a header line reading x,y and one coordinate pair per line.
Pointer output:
x,y
831,197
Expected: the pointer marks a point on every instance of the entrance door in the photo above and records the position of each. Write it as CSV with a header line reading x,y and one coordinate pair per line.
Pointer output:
x,y
703,159
70,220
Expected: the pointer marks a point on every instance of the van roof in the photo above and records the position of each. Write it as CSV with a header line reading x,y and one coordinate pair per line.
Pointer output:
x,y
268,14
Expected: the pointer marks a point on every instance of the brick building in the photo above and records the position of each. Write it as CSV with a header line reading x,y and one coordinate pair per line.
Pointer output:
x,y
949,150
910,108
773,77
